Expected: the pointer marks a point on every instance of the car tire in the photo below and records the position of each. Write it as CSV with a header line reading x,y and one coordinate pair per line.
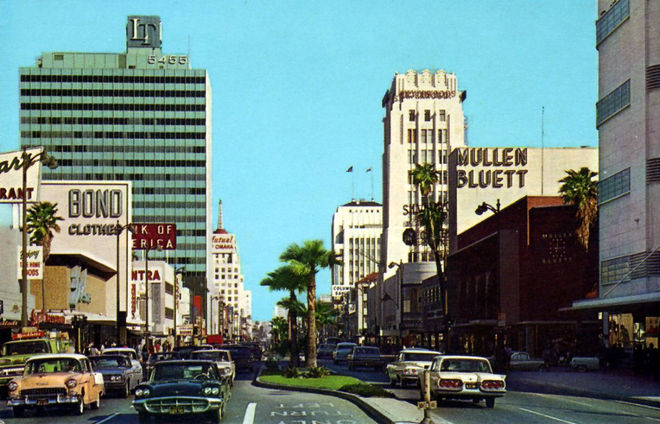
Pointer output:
x,y
19,411
143,417
490,402
97,403
216,416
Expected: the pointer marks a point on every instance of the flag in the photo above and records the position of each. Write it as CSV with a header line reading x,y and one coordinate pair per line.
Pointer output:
x,y
368,169
350,169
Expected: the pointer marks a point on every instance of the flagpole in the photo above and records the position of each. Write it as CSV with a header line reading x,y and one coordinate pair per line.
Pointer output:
x,y
372,182
350,169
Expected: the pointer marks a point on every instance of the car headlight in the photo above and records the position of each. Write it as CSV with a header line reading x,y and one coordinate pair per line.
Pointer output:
x,y
211,391
12,386
116,378
71,383
226,370
142,392
410,371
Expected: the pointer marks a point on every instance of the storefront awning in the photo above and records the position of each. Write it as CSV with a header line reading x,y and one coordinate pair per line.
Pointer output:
x,y
620,304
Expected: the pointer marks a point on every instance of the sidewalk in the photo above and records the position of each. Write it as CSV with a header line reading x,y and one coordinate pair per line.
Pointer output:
x,y
621,384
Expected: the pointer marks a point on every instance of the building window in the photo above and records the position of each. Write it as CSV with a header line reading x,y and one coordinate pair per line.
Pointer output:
x,y
614,186
612,19
441,116
412,135
411,115
614,270
427,115
612,103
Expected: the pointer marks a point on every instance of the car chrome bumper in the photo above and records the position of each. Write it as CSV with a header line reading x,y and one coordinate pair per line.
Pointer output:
x,y
44,401
467,393
178,405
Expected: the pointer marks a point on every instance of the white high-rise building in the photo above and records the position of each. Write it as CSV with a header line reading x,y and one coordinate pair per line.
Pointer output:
x,y
356,231
226,291
423,123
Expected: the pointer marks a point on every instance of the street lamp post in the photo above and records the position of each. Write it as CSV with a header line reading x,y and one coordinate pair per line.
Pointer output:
x,y
178,271
120,323
28,161
217,297
146,293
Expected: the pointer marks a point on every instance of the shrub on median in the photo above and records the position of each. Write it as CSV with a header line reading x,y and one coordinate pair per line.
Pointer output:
x,y
366,390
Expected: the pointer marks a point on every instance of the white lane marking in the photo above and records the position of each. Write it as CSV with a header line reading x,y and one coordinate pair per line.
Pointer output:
x,y
547,416
108,418
637,404
249,413
564,399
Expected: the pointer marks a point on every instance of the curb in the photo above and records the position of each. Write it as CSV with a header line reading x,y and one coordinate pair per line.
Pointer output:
x,y
569,390
372,412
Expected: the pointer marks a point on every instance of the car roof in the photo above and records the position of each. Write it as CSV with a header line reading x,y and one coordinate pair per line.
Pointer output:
x,y
58,356
472,357
210,350
119,349
419,350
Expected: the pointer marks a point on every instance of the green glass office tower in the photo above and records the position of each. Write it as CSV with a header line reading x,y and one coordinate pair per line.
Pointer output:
x,y
141,116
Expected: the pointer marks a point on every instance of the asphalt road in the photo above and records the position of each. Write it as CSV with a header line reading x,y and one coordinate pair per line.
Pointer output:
x,y
254,405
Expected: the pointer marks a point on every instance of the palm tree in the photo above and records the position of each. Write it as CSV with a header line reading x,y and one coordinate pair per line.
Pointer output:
x,y
307,260
278,330
580,189
286,278
41,222
326,316
431,217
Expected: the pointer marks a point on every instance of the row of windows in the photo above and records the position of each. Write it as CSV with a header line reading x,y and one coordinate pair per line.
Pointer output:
x,y
131,162
114,106
412,114
130,79
115,135
190,246
149,218
50,92
427,136
125,149
612,19
185,205
427,156
124,177
615,101
443,177
614,186
110,121
168,190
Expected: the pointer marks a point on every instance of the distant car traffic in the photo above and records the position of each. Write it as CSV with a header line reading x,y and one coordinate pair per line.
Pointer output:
x,y
465,377
341,351
157,357
585,363
408,364
56,379
521,361
241,355
365,356
324,350
178,388
118,373
222,359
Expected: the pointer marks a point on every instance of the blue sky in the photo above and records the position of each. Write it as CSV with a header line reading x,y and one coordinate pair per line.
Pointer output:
x,y
297,89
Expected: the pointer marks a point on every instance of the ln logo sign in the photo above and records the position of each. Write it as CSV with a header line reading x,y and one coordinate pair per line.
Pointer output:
x,y
154,236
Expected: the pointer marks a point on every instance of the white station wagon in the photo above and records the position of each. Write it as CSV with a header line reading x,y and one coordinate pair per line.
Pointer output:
x,y
465,377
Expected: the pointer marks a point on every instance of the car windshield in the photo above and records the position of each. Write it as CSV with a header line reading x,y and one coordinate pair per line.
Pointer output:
x,y
101,362
465,365
183,371
163,356
49,365
213,355
24,347
239,351
421,357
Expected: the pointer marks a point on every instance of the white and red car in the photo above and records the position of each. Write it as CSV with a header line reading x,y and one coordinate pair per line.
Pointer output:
x,y
465,377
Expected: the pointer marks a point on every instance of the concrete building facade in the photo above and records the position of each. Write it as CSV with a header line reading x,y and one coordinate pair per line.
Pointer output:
x,y
142,116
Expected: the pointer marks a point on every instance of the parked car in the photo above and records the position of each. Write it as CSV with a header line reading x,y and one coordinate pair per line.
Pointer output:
x,y
178,388
365,356
324,350
159,356
241,355
222,359
585,363
521,361
465,377
409,363
341,351
56,379
118,373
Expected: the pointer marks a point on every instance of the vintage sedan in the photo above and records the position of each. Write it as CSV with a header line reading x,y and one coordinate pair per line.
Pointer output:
x,y
465,377
521,361
118,374
365,356
178,388
56,379
409,364
342,349
222,359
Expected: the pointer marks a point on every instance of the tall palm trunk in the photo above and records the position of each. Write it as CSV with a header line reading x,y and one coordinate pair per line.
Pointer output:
x,y
293,332
310,358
